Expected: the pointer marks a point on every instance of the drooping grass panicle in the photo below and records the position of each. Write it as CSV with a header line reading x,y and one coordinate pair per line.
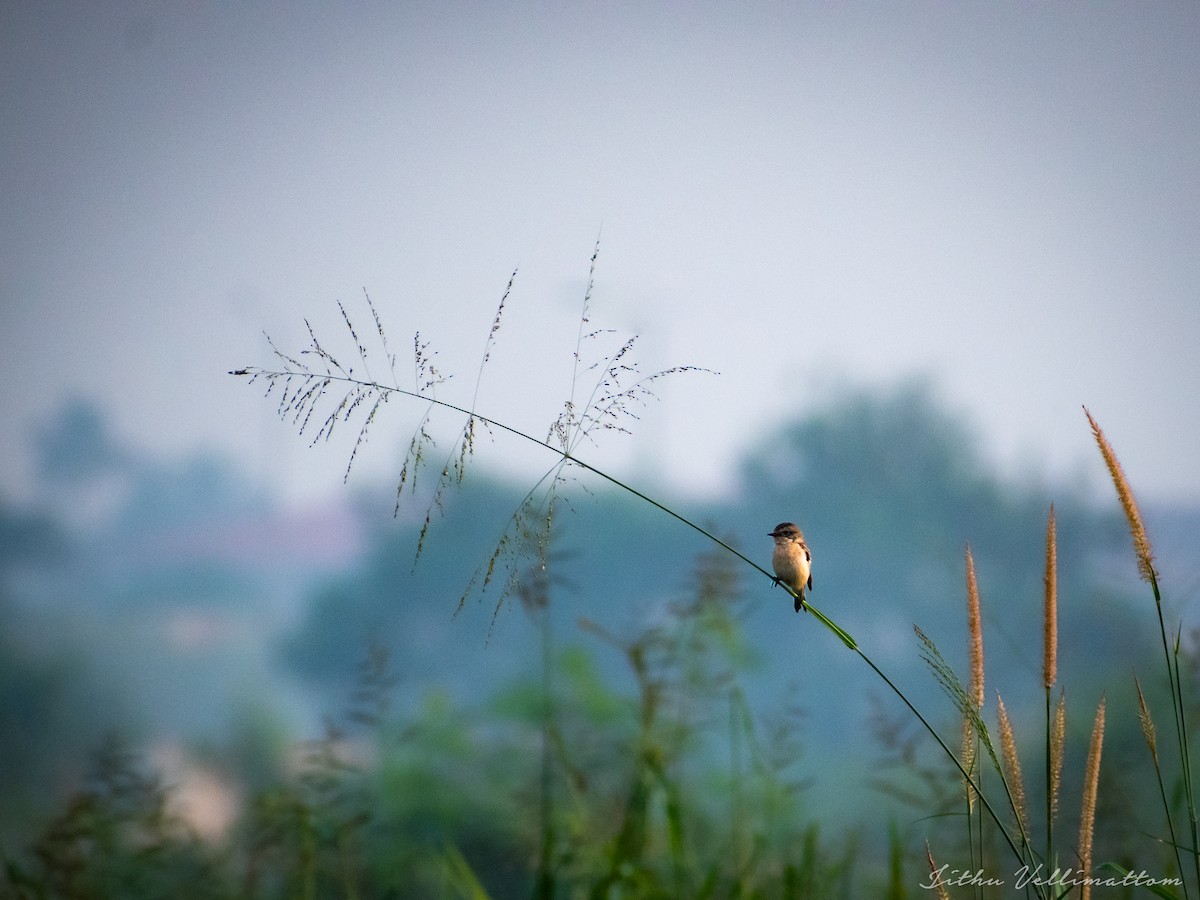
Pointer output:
x,y
620,388
562,429
614,400
467,435
426,379
975,632
525,534
1137,529
304,386
1087,815
387,353
1012,766
454,469
1050,606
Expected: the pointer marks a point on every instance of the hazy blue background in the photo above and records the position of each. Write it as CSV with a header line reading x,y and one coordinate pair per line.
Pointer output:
x,y
821,202
1005,196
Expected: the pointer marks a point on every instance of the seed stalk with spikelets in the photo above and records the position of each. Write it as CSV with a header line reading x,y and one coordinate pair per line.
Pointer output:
x,y
975,630
1012,767
1004,756
1050,607
1150,733
1087,815
935,875
1133,515
970,735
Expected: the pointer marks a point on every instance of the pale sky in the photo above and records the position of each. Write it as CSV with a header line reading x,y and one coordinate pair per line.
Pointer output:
x,y
1004,197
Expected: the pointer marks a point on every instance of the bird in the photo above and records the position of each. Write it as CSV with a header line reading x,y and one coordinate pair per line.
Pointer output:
x,y
792,560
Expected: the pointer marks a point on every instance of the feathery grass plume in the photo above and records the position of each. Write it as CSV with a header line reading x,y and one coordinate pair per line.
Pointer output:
x,y
306,390
1087,816
1151,735
976,632
954,688
1147,723
1058,740
1050,607
1012,766
1137,529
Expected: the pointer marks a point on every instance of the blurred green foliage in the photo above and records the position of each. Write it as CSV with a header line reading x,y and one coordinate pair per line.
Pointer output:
x,y
638,721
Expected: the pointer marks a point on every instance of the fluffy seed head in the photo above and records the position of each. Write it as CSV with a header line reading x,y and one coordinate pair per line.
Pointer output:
x,y
1137,529
975,628
1050,607
1012,766
1058,740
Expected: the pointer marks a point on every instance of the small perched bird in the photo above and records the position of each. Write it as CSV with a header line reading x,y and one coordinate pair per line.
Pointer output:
x,y
791,560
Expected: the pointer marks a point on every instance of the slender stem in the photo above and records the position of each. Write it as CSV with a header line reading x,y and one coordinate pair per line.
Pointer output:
x,y
1049,782
821,617
953,756
1177,707
568,457
545,877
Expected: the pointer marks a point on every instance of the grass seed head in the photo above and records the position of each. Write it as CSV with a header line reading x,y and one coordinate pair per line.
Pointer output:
x,y
975,628
1087,816
1137,529
1050,607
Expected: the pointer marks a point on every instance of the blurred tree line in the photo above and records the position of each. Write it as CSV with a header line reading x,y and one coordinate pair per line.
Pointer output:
x,y
638,719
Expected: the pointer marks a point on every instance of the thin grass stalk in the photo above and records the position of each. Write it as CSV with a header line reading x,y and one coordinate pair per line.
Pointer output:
x,y
544,887
1050,670
736,800
895,888
970,757
1185,758
945,749
965,700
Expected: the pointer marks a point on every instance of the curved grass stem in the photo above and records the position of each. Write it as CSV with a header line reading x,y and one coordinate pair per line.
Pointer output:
x,y
567,457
